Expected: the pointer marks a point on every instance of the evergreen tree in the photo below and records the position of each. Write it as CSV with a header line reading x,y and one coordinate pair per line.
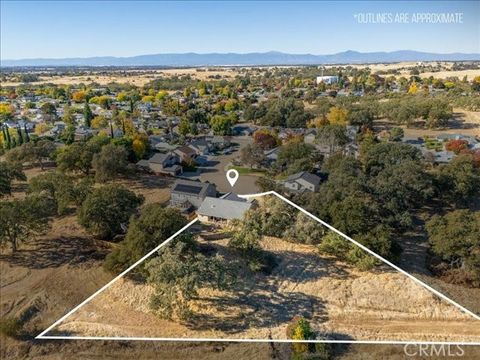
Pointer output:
x,y
6,145
20,136
27,137
9,140
87,115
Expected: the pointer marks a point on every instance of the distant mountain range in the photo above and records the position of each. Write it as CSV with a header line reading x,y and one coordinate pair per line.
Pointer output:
x,y
267,58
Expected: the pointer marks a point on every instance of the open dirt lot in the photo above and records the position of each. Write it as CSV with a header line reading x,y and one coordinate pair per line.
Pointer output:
x,y
338,300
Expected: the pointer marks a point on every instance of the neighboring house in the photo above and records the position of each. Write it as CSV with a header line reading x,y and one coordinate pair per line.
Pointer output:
x,y
222,209
82,133
242,130
168,164
187,193
159,143
272,154
310,136
117,133
200,146
219,142
327,79
302,181
186,154
443,157
352,131
352,149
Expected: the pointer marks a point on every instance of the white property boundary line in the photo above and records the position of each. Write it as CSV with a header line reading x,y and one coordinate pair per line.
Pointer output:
x,y
439,294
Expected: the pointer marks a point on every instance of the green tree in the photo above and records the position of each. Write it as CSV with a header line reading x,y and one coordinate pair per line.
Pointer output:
x,y
382,155
155,225
8,173
58,187
68,134
459,180
178,272
221,125
333,136
455,237
184,127
296,156
396,134
252,155
23,219
87,115
107,210
32,152
305,230
78,157
110,162
49,112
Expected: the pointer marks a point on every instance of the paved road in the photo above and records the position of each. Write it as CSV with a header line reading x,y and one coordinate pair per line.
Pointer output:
x,y
216,172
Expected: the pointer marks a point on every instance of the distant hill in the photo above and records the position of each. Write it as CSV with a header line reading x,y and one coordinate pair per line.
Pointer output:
x,y
267,58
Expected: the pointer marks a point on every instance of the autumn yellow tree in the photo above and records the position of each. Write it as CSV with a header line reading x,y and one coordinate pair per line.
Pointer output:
x,y
413,88
162,94
337,116
6,111
139,145
41,128
99,122
122,96
79,96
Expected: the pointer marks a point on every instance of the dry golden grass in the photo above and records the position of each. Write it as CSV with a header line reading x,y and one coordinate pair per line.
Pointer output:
x,y
376,305
132,77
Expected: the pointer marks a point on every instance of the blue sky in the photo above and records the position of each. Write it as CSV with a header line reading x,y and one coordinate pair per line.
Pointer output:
x,y
33,29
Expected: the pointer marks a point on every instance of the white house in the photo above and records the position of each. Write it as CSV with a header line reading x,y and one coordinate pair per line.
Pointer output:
x,y
222,209
327,79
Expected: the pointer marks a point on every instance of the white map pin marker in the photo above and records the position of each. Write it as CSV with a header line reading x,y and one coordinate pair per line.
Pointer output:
x,y
232,176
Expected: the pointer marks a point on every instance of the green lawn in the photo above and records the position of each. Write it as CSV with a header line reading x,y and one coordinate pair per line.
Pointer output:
x,y
433,144
246,171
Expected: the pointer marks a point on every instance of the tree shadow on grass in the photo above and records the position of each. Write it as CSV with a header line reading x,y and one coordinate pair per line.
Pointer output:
x,y
48,253
257,310
264,301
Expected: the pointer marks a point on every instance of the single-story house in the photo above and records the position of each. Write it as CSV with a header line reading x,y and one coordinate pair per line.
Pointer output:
x,y
310,136
242,130
272,154
186,194
222,209
302,181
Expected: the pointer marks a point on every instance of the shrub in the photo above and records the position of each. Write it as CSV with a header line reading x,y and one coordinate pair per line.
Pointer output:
x,y
10,327
343,249
457,146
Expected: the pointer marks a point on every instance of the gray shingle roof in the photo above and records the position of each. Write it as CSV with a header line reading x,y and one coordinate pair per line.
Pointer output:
x,y
223,208
311,178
